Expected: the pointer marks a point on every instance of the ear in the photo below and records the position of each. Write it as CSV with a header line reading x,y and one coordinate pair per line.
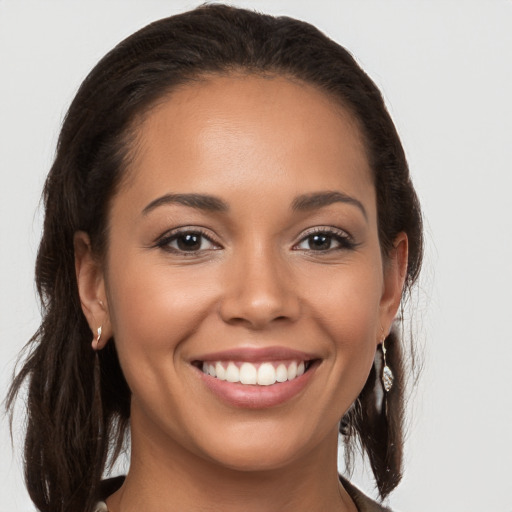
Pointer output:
x,y
395,271
91,288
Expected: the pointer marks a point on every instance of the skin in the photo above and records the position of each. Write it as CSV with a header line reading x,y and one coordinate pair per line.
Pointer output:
x,y
257,144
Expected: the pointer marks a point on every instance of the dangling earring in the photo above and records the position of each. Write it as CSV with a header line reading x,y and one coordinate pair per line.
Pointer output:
x,y
387,375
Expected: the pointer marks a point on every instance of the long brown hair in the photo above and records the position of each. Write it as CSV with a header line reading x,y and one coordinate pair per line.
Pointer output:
x,y
78,411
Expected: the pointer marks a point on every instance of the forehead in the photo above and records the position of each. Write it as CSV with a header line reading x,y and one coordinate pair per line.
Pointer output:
x,y
256,133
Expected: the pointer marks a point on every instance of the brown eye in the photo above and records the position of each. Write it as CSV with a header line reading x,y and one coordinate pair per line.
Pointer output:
x,y
326,240
187,242
319,242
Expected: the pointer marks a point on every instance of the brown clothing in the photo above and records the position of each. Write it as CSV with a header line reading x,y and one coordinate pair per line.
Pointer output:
x,y
363,503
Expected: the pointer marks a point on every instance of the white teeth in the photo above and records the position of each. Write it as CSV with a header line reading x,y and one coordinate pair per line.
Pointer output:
x,y
248,374
281,373
292,371
219,370
264,374
232,373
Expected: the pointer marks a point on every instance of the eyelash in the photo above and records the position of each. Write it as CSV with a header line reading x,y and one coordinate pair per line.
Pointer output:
x,y
344,240
341,237
165,241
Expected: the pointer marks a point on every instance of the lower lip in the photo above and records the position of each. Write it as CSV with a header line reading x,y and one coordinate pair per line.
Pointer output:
x,y
256,397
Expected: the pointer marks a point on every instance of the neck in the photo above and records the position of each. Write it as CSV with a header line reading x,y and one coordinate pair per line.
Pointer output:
x,y
173,478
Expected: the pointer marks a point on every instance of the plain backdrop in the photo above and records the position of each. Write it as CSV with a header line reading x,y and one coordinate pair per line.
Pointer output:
x,y
445,69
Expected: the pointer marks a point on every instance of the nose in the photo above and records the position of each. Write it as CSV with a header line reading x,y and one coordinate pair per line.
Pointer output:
x,y
260,291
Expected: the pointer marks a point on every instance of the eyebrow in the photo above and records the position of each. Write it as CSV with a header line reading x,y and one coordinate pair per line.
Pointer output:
x,y
214,204
199,201
321,199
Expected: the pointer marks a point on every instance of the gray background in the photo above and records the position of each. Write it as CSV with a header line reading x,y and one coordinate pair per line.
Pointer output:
x,y
445,70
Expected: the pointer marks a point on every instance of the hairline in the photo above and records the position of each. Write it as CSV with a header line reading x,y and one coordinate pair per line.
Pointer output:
x,y
132,140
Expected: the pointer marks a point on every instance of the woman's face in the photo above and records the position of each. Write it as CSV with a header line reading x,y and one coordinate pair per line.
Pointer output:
x,y
243,243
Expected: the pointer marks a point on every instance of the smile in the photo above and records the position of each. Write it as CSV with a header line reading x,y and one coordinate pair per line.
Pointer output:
x,y
256,378
260,374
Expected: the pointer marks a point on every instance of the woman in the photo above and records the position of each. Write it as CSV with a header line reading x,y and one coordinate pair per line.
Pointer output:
x,y
230,228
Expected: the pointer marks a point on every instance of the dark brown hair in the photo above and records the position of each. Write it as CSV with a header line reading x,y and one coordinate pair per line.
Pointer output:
x,y
77,410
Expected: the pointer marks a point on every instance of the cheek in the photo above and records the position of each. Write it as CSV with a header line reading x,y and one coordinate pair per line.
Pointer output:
x,y
348,301
154,307
347,310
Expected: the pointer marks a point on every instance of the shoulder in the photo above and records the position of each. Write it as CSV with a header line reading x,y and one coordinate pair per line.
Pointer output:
x,y
363,502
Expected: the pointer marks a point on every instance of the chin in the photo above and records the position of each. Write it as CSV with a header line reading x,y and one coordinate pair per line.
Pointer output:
x,y
255,460
258,450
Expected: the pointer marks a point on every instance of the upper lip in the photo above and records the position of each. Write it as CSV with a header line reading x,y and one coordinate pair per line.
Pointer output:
x,y
256,355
